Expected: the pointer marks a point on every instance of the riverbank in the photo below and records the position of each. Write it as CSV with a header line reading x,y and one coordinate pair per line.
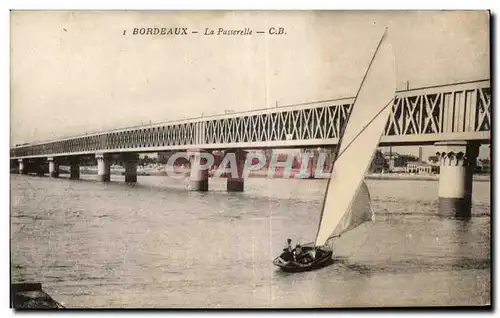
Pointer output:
x,y
424,177
279,174
374,176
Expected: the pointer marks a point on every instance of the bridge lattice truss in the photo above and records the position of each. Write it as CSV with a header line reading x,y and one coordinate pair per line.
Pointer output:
x,y
453,112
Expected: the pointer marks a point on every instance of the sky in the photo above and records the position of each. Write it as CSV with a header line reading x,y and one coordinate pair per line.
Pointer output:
x,y
75,72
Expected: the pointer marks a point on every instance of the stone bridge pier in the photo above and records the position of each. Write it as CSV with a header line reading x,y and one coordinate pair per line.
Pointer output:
x,y
236,182
22,168
53,167
130,164
457,163
199,172
74,167
103,167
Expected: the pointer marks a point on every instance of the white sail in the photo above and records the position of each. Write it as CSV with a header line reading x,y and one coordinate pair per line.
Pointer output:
x,y
359,141
360,212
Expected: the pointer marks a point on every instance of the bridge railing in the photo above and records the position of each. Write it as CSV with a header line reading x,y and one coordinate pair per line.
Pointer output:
x,y
453,111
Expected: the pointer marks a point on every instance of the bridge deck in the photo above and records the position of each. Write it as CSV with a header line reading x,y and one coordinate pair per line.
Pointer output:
x,y
420,116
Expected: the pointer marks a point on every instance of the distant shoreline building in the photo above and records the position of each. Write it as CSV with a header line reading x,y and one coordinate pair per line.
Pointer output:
x,y
397,162
420,167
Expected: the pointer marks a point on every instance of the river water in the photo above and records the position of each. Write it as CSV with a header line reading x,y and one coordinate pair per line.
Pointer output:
x,y
157,245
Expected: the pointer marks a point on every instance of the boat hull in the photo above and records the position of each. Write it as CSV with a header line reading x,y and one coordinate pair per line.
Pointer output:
x,y
289,265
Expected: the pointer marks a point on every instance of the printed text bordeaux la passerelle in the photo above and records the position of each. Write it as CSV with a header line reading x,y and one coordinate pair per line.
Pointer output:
x,y
206,31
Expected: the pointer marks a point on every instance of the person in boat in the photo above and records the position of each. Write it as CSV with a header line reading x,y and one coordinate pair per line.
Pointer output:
x,y
301,256
288,251
288,247
297,252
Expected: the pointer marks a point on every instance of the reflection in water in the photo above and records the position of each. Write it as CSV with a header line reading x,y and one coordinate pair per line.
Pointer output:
x,y
462,235
157,245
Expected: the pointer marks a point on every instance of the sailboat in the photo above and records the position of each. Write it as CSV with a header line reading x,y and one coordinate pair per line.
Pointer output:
x,y
347,202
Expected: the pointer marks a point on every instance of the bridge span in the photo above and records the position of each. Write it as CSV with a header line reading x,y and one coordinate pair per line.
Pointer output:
x,y
456,118
419,116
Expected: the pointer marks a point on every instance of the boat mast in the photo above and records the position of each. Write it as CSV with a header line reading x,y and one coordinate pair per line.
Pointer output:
x,y
344,125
